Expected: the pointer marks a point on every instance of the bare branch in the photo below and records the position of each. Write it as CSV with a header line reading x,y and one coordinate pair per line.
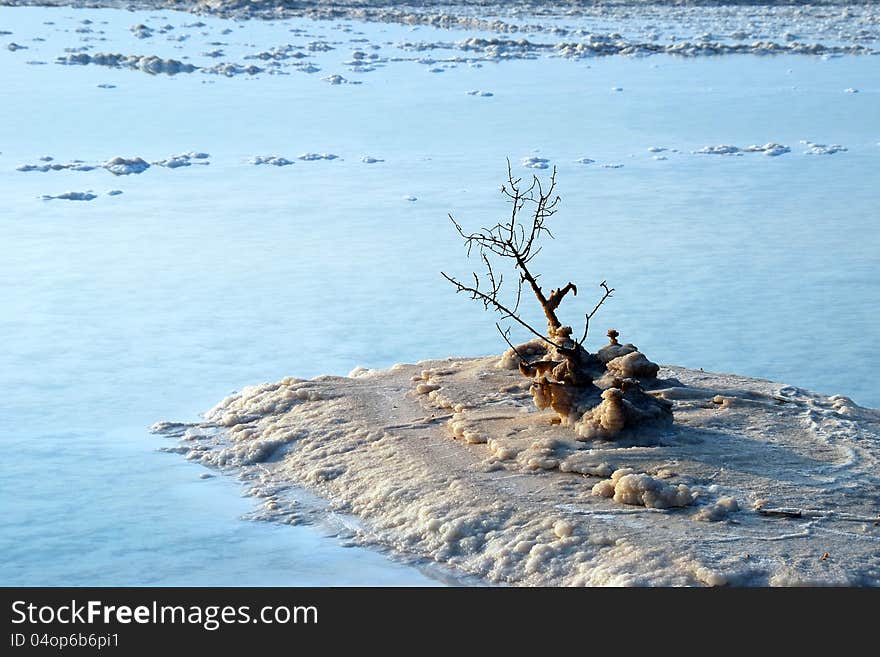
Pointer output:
x,y
517,238
489,301
589,315
555,297
505,334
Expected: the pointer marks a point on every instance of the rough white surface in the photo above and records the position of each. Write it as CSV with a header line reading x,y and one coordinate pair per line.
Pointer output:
x,y
122,166
72,196
274,160
637,488
448,461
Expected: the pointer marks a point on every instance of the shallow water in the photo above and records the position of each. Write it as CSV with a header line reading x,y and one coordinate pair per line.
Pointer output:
x,y
154,304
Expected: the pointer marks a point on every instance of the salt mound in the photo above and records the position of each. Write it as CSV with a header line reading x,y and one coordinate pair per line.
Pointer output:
x,y
141,31
72,196
718,510
310,157
721,149
274,160
823,149
121,166
771,149
183,160
148,64
637,488
76,165
230,70
535,162
338,79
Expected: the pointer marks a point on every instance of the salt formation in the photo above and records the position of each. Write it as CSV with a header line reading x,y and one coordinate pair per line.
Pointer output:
x,y
76,165
141,31
310,157
448,461
771,149
822,149
535,162
72,196
183,160
718,510
121,166
148,63
274,160
637,488
338,79
229,70
600,396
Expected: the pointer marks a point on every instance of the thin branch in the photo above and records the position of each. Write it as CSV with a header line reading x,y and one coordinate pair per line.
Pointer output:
x,y
489,301
589,315
505,334
517,239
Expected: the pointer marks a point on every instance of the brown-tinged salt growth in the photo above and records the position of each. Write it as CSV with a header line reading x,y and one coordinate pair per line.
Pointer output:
x,y
449,461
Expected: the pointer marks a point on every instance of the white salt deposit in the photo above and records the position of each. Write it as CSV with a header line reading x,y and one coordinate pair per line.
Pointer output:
x,y
274,160
141,31
721,149
311,157
637,488
771,149
55,166
183,160
230,69
338,79
718,510
535,162
122,166
72,196
823,149
147,63
449,461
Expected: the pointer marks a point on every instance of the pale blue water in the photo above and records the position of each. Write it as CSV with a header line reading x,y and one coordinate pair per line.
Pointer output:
x,y
194,282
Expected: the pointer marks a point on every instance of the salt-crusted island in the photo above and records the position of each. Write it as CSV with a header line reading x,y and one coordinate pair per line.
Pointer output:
x,y
552,465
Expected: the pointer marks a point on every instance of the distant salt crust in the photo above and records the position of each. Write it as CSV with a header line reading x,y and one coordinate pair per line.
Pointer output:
x,y
448,461
72,196
274,160
535,162
770,149
698,28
